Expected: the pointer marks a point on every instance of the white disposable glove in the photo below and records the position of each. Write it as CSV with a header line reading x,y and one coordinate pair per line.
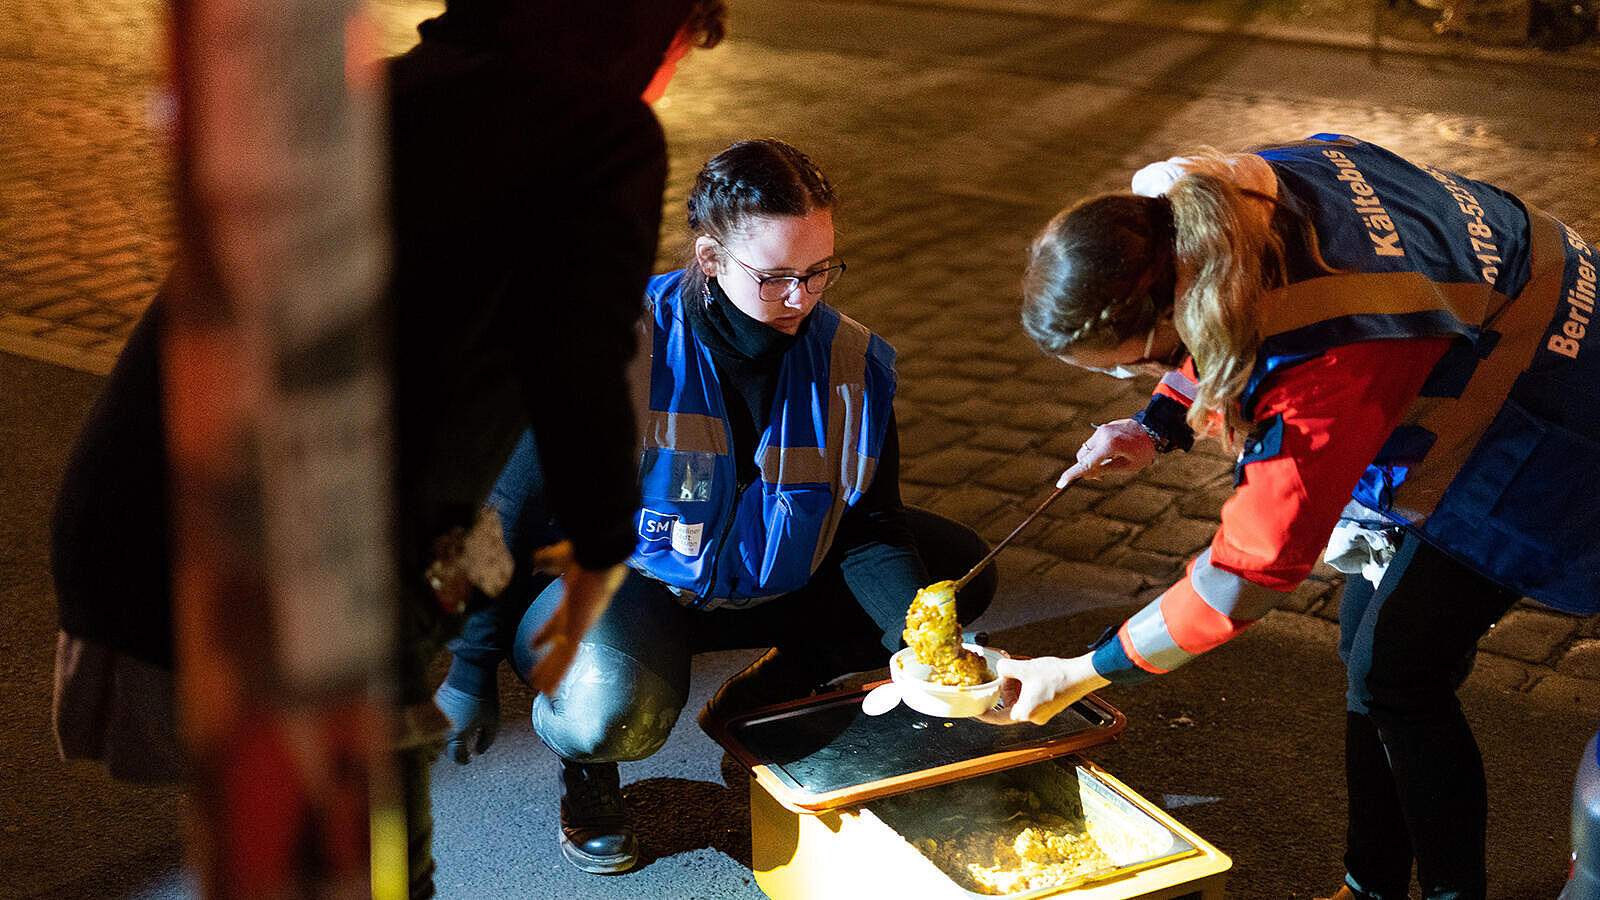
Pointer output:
x,y
1034,690
1122,447
1353,547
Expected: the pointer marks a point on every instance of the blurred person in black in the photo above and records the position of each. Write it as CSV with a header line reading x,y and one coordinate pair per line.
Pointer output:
x,y
527,173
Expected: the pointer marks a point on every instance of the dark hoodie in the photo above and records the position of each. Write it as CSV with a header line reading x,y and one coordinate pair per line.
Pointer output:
x,y
613,46
526,197
528,178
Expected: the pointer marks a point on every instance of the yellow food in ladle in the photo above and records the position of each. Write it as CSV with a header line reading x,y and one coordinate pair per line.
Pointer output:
x,y
933,632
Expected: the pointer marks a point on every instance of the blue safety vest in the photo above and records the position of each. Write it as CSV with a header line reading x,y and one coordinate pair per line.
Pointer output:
x,y
731,544
1495,461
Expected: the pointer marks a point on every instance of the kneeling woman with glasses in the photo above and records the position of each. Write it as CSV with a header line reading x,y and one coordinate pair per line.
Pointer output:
x,y
770,511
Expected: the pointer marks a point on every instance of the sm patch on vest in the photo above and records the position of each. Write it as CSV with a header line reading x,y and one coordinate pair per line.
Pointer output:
x,y
656,528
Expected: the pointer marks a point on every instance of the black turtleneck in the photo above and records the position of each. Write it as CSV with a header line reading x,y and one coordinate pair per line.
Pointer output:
x,y
748,355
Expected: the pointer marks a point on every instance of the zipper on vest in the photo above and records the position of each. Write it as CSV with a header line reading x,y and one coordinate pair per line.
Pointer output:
x,y
727,529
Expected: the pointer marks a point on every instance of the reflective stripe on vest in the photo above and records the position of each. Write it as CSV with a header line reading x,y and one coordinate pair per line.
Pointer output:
x,y
817,455
1506,425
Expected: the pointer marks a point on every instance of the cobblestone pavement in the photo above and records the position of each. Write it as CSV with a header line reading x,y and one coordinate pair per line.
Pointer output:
x,y
84,223
991,129
951,146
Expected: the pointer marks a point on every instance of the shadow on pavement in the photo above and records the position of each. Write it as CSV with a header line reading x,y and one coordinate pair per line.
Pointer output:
x,y
680,815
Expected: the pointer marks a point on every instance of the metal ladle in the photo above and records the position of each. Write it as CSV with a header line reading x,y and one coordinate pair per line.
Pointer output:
x,y
887,696
971,573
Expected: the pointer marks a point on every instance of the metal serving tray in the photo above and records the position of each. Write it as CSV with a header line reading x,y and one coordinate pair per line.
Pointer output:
x,y
1130,838
822,753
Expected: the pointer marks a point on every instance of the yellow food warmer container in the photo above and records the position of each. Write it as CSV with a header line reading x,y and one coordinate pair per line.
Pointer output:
x,y
845,805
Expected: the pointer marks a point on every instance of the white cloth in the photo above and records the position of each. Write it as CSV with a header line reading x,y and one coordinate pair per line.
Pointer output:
x,y
1356,547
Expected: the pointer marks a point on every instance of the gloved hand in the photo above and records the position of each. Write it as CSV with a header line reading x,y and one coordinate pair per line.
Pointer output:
x,y
1122,447
1034,690
474,721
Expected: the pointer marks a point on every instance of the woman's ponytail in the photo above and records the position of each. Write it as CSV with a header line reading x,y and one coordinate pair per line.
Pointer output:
x,y
1233,257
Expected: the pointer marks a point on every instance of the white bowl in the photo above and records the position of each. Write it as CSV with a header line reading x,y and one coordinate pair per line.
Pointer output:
x,y
935,699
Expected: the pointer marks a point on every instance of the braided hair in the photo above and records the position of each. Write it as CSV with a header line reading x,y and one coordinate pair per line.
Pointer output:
x,y
756,178
1102,270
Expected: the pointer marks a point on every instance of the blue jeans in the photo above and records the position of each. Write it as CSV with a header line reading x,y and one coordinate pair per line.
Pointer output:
x,y
1412,767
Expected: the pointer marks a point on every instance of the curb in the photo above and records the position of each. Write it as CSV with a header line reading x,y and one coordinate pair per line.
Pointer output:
x,y
1135,12
95,362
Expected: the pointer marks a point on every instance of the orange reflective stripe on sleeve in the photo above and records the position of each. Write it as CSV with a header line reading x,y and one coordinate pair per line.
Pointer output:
x,y
1231,594
1126,639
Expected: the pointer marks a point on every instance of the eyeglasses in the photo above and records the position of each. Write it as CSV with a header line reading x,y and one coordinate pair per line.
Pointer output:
x,y
776,288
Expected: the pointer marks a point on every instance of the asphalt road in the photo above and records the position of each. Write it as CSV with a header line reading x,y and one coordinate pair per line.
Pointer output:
x,y
952,136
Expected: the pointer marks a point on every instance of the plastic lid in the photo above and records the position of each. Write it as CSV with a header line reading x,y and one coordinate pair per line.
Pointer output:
x,y
824,752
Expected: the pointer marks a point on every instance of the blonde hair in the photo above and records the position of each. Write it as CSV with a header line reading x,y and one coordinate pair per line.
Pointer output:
x,y
1234,257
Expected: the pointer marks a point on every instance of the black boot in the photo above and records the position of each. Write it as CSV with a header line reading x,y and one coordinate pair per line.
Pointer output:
x,y
772,678
595,833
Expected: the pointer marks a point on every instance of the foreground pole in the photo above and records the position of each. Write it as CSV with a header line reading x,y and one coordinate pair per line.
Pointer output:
x,y
278,409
